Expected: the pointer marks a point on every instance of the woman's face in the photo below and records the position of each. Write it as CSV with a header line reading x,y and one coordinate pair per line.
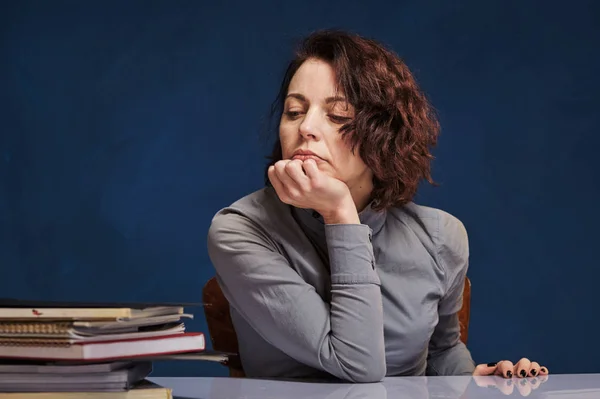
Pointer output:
x,y
309,128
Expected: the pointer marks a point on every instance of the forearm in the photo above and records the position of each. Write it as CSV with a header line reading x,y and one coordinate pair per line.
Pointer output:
x,y
356,304
343,337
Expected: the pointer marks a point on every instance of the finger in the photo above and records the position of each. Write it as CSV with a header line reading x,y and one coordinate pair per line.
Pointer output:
x,y
534,369
505,369
485,369
311,169
522,368
544,370
295,171
291,188
277,185
523,386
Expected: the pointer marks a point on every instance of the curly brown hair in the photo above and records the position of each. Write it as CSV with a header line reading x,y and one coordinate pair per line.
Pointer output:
x,y
394,126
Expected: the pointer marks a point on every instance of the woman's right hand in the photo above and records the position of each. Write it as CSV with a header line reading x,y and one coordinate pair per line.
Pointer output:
x,y
303,185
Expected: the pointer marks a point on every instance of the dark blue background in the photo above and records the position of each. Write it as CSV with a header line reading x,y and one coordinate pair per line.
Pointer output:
x,y
126,125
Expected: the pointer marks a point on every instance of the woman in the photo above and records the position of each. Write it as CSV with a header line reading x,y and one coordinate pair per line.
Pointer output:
x,y
331,270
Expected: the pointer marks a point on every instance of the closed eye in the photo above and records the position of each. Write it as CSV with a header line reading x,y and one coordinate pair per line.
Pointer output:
x,y
292,114
339,119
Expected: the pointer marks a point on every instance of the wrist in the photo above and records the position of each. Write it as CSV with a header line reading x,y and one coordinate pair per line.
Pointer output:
x,y
344,214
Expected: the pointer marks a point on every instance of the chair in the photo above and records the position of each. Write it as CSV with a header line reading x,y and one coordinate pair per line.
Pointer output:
x,y
220,326
224,338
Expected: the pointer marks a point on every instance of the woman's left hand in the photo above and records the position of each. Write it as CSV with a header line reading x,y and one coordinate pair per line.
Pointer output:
x,y
523,368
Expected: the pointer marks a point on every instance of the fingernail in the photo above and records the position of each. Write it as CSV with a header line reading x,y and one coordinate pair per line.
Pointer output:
x,y
533,372
492,364
523,382
523,373
533,380
543,369
509,374
508,383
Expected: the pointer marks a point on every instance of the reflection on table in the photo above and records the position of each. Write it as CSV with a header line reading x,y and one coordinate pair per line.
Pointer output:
x,y
580,386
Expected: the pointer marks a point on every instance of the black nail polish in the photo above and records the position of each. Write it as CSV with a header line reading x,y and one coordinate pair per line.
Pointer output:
x,y
523,373
533,372
492,364
543,369
509,374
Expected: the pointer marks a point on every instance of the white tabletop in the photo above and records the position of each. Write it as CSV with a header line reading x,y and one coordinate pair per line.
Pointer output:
x,y
563,386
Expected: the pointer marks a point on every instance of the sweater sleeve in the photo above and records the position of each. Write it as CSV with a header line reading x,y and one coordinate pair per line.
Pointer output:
x,y
447,354
343,338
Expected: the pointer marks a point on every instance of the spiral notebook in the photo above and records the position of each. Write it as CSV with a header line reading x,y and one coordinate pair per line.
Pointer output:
x,y
70,328
63,334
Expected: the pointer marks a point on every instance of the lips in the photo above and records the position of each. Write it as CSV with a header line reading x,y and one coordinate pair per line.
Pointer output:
x,y
303,155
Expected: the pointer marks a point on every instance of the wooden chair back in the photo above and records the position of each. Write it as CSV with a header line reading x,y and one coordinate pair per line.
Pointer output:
x,y
224,338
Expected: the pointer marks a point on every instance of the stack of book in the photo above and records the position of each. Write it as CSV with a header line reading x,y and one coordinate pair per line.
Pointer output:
x,y
89,348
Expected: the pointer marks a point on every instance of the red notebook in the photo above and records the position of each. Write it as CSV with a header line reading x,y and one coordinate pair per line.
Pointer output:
x,y
105,350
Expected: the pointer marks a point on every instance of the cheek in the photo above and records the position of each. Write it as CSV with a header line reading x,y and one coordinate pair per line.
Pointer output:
x,y
286,138
342,155
287,130
348,165
342,163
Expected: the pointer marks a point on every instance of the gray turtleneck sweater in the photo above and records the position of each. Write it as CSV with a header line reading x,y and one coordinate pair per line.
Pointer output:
x,y
357,302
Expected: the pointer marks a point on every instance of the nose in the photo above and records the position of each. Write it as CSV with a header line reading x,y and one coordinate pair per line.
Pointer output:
x,y
309,128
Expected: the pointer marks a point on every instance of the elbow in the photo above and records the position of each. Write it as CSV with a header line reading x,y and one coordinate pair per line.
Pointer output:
x,y
357,363
372,374
372,370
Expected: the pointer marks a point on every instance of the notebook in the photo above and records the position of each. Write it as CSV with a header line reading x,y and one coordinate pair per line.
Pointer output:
x,y
56,349
74,328
17,309
29,366
63,333
115,380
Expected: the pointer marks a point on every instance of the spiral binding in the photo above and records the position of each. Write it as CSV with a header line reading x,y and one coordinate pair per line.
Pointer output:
x,y
12,328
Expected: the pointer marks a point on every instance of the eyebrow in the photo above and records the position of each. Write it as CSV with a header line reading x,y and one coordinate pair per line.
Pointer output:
x,y
328,100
